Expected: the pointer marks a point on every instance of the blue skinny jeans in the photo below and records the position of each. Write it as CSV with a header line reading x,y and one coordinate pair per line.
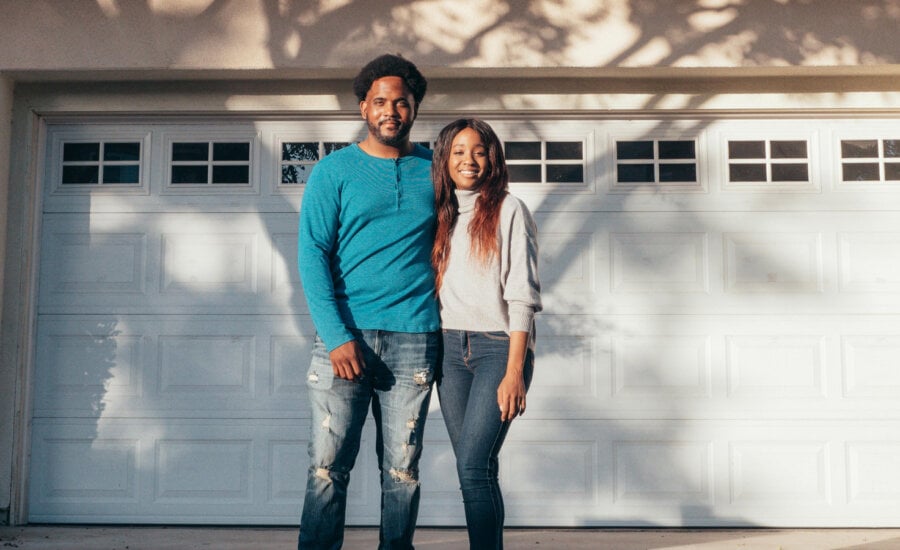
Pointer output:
x,y
473,366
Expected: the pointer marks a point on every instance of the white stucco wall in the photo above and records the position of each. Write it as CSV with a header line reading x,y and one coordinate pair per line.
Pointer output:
x,y
112,35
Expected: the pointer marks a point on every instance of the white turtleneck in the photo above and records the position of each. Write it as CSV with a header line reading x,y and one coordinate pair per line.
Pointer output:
x,y
503,295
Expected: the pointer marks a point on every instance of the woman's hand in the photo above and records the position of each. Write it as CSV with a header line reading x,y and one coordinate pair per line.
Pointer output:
x,y
511,396
511,392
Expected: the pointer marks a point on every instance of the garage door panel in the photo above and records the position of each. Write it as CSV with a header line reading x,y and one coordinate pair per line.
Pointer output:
x,y
210,263
673,262
83,468
715,366
784,263
285,280
663,471
73,454
170,263
873,477
202,471
176,471
568,267
870,364
709,263
593,472
789,472
83,365
570,364
204,366
777,367
557,471
869,261
737,472
596,426
677,365
80,262
173,365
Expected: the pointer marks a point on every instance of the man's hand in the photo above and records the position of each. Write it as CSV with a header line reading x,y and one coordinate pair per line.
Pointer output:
x,y
347,361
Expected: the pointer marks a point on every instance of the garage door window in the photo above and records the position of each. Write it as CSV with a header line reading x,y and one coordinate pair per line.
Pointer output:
x,y
870,160
298,158
207,163
768,161
656,161
661,164
101,163
545,161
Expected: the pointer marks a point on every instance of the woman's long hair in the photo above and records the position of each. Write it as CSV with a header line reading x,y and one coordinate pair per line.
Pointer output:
x,y
492,189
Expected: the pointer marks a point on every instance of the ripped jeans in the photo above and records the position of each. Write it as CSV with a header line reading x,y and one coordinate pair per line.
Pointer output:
x,y
397,381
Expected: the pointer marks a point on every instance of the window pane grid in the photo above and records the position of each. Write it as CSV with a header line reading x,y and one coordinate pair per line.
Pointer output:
x,y
101,163
768,161
870,160
298,158
545,161
656,161
210,163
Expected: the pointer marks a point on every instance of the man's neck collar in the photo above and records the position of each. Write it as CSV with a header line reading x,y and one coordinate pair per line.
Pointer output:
x,y
375,148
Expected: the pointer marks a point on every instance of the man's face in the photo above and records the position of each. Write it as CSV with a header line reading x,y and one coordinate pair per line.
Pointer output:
x,y
389,110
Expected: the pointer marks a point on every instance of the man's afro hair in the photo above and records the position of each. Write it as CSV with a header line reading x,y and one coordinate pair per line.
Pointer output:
x,y
390,65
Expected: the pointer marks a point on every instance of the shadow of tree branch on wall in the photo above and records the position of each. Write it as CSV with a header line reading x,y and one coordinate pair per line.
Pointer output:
x,y
655,417
537,33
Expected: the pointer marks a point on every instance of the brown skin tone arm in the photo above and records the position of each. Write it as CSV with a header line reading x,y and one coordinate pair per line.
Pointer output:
x,y
511,392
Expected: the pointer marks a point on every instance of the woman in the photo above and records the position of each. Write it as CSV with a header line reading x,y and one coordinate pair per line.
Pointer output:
x,y
485,261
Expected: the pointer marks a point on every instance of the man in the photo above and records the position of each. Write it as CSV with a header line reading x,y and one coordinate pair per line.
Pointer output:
x,y
366,231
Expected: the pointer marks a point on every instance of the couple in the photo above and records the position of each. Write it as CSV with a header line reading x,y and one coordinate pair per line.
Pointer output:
x,y
392,248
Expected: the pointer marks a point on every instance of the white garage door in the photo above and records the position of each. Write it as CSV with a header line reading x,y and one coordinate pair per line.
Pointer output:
x,y
720,346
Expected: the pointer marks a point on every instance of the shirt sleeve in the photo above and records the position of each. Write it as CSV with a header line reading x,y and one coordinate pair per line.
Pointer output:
x,y
521,285
316,238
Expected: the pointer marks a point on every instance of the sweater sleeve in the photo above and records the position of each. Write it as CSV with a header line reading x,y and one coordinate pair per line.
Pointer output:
x,y
317,234
521,284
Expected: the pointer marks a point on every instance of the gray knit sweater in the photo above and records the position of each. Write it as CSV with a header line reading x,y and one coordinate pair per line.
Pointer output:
x,y
503,295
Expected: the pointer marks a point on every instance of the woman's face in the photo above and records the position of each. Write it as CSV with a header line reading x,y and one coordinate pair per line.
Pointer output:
x,y
468,160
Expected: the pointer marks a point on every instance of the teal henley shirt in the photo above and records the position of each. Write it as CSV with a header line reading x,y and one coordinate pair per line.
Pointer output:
x,y
364,245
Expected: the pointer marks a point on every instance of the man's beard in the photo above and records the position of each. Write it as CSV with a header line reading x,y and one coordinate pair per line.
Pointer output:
x,y
397,140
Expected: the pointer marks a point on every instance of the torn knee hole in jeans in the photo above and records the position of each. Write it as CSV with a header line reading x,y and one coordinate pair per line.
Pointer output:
x,y
422,378
326,426
324,474
404,476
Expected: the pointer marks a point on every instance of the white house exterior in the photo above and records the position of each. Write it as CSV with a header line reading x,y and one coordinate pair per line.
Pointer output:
x,y
717,191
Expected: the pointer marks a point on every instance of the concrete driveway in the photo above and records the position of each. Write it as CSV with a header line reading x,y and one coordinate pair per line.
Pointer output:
x,y
183,538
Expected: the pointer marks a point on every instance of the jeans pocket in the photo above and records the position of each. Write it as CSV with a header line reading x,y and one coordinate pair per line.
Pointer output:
x,y
320,374
497,335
